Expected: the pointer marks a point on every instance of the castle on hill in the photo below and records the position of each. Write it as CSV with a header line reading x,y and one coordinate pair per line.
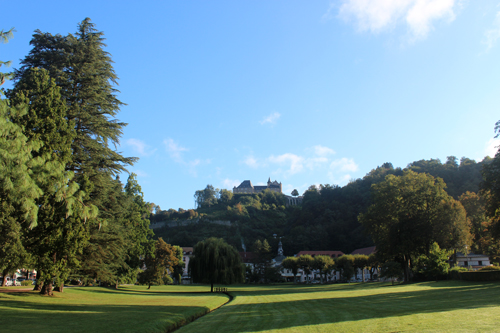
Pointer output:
x,y
246,187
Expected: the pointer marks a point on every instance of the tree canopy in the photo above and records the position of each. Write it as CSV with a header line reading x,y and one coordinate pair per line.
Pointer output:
x,y
214,261
409,213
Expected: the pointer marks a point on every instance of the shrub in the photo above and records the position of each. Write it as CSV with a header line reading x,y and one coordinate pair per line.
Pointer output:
x,y
26,283
490,268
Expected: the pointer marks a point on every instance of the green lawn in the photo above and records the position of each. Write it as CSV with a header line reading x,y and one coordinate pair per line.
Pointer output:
x,y
93,309
424,307
448,306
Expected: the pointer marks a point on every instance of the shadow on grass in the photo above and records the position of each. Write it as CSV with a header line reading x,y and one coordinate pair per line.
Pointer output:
x,y
52,317
391,302
150,292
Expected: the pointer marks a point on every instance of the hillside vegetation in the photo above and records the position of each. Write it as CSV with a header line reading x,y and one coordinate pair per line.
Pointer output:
x,y
326,220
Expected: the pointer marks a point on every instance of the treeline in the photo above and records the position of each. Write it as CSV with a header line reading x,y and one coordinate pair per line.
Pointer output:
x,y
327,219
63,209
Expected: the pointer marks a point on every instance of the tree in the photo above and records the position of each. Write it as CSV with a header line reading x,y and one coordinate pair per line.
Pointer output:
x,y
158,264
178,269
18,188
295,193
345,264
305,262
61,202
407,214
292,264
82,69
435,264
323,264
215,261
262,259
360,262
391,270
225,196
206,197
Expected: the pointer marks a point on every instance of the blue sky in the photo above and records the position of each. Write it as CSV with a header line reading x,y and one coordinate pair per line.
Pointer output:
x,y
303,92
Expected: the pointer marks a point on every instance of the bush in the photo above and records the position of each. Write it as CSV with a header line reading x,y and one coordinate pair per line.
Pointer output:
x,y
454,273
490,268
26,283
167,280
459,269
492,275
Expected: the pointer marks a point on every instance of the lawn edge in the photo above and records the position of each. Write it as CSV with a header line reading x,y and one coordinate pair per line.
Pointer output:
x,y
194,317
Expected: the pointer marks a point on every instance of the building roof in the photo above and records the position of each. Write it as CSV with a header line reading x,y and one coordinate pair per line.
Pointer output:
x,y
245,184
247,257
333,254
471,255
187,250
365,250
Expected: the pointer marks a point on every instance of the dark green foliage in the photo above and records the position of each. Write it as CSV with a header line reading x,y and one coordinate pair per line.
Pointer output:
x,y
433,266
459,178
214,261
411,212
477,276
391,270
345,265
78,129
158,263
292,264
327,219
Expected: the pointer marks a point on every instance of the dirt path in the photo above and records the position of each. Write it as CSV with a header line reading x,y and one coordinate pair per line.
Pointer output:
x,y
13,290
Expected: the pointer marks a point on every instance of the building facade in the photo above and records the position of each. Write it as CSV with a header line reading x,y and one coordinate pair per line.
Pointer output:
x,y
246,187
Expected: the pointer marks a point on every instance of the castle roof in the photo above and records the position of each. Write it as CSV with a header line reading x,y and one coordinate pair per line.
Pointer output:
x,y
245,184
366,250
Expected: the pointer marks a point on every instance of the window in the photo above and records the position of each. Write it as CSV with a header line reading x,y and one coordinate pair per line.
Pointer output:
x,y
480,263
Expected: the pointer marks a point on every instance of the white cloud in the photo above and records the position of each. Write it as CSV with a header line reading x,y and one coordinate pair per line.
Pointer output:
x,y
174,150
140,147
230,183
323,151
271,119
176,153
491,147
379,15
344,165
251,162
294,162
342,180
492,35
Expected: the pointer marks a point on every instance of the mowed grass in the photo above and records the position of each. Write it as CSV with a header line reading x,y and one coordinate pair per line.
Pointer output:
x,y
129,309
445,306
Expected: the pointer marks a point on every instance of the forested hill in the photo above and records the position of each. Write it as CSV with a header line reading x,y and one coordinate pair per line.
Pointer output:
x,y
326,220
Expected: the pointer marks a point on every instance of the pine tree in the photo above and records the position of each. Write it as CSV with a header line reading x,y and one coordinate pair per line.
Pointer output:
x,y
83,70
55,240
18,189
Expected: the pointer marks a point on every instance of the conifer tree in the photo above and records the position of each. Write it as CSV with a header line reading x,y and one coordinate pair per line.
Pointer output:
x,y
18,189
83,70
58,233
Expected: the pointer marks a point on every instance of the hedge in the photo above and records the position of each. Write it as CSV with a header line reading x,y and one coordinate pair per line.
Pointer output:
x,y
476,276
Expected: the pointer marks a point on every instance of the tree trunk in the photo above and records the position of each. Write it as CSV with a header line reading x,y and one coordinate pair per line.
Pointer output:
x,y
47,288
59,288
149,285
212,287
4,274
116,284
407,269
